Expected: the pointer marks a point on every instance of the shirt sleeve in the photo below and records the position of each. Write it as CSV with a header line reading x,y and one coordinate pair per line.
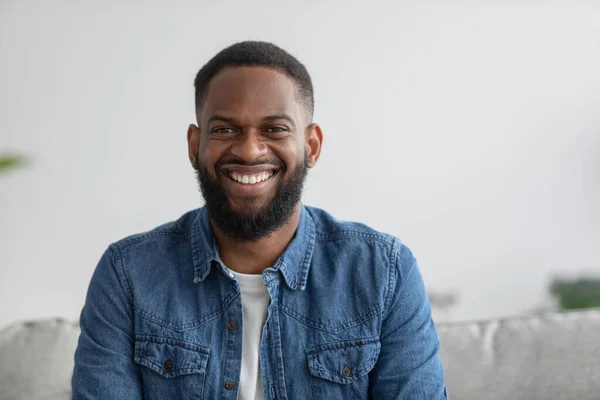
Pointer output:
x,y
104,365
409,366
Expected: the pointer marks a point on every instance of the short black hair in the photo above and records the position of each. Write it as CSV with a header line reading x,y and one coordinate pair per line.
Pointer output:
x,y
254,53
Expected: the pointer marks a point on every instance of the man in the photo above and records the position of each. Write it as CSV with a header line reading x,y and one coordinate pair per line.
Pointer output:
x,y
256,295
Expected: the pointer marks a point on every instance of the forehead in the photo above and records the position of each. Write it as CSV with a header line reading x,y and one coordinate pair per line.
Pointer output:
x,y
251,92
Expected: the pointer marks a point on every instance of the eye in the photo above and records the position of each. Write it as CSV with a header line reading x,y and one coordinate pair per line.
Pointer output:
x,y
276,129
223,130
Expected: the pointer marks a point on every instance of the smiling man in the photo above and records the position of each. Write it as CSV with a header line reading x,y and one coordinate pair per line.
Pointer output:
x,y
255,295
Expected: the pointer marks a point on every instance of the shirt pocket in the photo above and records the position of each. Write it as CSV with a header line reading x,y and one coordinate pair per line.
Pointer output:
x,y
340,370
171,368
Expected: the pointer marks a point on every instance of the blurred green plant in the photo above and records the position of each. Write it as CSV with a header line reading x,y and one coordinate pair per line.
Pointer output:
x,y
11,161
576,294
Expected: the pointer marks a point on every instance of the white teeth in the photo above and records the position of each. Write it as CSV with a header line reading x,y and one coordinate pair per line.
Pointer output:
x,y
250,179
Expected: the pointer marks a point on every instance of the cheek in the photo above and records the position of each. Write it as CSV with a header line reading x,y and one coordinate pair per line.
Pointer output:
x,y
294,161
209,155
291,153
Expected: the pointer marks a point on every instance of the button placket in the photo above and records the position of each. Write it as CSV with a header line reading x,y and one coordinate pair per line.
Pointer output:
x,y
232,325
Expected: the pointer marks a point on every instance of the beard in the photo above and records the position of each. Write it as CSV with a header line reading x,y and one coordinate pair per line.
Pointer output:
x,y
254,224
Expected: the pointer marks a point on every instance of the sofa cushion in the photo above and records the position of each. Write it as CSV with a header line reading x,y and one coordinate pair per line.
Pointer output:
x,y
37,359
551,356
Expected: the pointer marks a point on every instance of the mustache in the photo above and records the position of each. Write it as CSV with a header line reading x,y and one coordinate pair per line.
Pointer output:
x,y
238,161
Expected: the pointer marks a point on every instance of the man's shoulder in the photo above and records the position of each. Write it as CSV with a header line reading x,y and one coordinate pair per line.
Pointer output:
x,y
175,230
329,228
351,236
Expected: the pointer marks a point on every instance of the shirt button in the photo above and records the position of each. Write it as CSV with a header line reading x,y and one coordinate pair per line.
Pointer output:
x,y
229,385
168,365
231,325
346,372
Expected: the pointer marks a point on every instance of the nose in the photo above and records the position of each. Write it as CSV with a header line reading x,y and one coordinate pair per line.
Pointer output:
x,y
249,147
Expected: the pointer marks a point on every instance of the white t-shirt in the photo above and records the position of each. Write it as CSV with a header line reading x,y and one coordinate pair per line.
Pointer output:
x,y
255,302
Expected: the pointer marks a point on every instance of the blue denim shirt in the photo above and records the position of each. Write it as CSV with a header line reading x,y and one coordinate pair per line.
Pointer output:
x,y
348,318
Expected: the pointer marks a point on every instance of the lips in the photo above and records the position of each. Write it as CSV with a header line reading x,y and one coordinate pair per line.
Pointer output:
x,y
244,181
250,179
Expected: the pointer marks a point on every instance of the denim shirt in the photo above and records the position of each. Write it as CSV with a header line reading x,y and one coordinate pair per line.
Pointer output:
x,y
348,318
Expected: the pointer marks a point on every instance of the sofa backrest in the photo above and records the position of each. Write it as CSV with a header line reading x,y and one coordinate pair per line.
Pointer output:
x,y
551,356
36,359
548,356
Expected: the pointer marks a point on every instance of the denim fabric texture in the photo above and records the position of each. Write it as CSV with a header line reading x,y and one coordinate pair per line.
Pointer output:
x,y
348,318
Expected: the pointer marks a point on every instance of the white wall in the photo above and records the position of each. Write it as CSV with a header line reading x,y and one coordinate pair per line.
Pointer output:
x,y
471,131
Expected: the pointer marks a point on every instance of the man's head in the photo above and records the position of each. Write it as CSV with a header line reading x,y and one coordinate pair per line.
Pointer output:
x,y
255,138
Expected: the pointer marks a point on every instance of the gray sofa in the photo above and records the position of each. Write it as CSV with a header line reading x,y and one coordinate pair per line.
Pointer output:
x,y
551,356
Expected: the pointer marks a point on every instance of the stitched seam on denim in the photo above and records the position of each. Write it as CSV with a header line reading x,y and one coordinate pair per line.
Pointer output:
x,y
178,326
294,283
370,364
270,280
201,252
202,388
159,368
149,235
196,250
333,377
402,277
195,363
393,277
380,237
316,352
184,326
193,346
309,251
122,276
335,328
313,390
342,344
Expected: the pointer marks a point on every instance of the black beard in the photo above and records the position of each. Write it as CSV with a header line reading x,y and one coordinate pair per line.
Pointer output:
x,y
256,225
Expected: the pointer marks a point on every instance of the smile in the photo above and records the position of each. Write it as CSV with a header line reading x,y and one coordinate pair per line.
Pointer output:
x,y
250,179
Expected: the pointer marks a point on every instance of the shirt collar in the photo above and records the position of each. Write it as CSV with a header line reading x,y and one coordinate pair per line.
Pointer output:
x,y
294,263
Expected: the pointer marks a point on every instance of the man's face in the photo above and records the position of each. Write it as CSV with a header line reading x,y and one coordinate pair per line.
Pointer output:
x,y
251,150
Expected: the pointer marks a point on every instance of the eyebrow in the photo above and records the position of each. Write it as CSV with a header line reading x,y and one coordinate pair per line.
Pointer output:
x,y
222,118
217,117
280,116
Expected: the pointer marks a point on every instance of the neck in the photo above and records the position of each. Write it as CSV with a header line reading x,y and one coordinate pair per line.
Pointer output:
x,y
254,257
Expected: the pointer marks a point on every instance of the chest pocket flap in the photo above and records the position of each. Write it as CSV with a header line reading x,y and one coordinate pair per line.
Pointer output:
x,y
169,357
343,362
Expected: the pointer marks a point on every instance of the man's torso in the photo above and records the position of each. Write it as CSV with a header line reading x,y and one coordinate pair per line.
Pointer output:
x,y
321,337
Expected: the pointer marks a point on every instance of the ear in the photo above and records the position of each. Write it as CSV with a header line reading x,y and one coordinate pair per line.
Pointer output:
x,y
314,141
193,139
